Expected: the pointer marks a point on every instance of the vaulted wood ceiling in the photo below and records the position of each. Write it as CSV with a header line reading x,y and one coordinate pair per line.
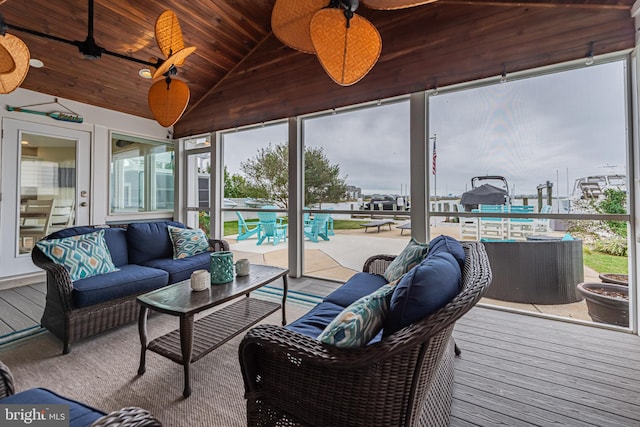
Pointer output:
x,y
241,74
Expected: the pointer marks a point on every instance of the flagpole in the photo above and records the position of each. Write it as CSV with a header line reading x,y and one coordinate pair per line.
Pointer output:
x,y
433,169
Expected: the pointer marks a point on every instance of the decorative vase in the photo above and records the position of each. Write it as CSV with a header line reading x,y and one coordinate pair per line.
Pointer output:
x,y
607,303
221,267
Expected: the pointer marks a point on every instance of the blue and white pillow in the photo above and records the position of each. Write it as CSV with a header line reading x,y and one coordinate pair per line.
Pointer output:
x,y
357,324
411,255
187,242
83,255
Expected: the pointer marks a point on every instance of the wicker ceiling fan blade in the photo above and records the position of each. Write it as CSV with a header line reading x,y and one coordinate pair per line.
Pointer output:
x,y
168,33
168,101
394,4
346,54
7,63
290,20
176,59
20,55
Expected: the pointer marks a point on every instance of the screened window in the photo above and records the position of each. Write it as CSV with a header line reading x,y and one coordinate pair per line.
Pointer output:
x,y
141,175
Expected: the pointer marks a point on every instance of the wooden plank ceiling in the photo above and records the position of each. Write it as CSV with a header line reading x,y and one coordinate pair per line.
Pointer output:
x,y
241,74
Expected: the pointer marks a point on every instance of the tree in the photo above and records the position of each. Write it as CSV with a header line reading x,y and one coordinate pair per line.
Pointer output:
x,y
236,186
269,171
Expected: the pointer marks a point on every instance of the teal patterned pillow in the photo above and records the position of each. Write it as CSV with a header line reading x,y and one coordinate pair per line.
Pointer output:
x,y
357,324
84,255
411,255
187,242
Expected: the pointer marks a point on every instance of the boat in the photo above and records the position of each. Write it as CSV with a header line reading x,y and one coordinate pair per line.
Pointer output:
x,y
486,194
258,203
594,186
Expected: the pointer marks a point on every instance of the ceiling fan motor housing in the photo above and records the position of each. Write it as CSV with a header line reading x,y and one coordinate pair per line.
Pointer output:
x,y
89,49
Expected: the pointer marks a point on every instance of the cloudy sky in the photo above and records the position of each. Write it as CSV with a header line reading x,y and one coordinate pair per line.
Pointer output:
x,y
556,127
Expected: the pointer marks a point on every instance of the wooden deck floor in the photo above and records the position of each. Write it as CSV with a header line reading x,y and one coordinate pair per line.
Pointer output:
x,y
515,370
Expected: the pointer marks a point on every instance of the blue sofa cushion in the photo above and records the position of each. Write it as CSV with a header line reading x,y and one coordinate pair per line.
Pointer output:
x,y
80,415
115,238
181,269
444,243
130,280
426,288
149,240
359,285
314,322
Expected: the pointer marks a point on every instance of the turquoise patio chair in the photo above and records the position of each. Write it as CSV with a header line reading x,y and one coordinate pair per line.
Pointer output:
x,y
493,228
244,229
317,227
520,228
271,227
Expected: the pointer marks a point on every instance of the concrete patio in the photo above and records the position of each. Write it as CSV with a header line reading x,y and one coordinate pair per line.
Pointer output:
x,y
345,253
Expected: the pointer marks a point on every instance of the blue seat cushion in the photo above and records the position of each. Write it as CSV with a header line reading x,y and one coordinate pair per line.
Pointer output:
x,y
115,238
181,269
80,415
359,285
423,290
130,280
314,322
149,240
448,244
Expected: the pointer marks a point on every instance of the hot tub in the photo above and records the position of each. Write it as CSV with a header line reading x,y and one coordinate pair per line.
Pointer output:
x,y
539,271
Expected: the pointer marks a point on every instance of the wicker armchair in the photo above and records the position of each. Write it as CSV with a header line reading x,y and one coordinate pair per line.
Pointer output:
x,y
70,323
404,380
126,417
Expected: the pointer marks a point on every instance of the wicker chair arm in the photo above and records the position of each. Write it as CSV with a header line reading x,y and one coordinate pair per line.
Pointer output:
x,y
6,381
127,417
377,264
218,245
62,278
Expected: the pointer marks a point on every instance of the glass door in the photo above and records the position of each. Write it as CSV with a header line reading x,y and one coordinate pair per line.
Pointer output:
x,y
49,192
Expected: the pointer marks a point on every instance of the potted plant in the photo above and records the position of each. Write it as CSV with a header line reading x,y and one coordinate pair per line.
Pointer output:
x,y
615,278
606,302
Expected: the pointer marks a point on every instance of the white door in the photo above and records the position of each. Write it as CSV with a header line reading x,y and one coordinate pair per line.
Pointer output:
x,y
44,184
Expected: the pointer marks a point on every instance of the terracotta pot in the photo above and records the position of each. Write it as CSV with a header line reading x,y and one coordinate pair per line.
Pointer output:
x,y
605,308
615,278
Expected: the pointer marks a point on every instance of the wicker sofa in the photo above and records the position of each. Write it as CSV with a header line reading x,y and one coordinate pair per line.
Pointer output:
x,y
80,415
404,379
142,252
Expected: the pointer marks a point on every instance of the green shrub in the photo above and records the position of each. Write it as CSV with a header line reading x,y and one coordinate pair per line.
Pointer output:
x,y
613,246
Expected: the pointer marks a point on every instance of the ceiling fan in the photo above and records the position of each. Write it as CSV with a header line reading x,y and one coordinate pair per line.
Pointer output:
x,y
168,97
346,44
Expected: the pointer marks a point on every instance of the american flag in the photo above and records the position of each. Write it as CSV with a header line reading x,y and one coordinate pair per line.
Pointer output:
x,y
433,160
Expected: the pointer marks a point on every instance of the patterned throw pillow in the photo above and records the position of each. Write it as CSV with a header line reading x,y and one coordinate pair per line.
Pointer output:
x,y
187,242
84,255
411,255
357,324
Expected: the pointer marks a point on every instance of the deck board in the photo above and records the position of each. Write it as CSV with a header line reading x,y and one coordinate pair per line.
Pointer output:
x,y
522,370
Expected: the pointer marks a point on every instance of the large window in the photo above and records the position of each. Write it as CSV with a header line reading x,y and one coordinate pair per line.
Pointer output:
x,y
356,171
551,146
141,176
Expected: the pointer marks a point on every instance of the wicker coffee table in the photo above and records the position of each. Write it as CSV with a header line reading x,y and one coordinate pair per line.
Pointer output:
x,y
196,339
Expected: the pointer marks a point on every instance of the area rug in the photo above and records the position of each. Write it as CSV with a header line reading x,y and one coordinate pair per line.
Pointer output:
x,y
102,372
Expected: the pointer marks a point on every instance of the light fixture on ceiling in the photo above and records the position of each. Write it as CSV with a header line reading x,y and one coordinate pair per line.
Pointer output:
x,y
24,142
145,73
589,57
36,63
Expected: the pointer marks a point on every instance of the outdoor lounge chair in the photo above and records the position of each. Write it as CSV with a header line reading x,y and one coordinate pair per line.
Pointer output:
x,y
406,379
80,415
271,227
317,227
520,228
244,231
